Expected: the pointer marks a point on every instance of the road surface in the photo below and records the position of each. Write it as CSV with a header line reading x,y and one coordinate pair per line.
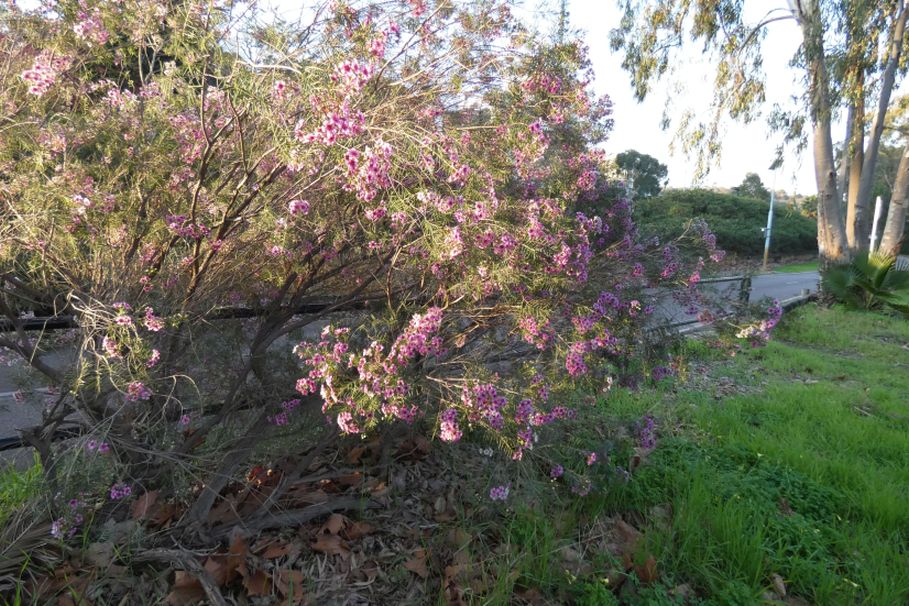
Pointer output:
x,y
783,286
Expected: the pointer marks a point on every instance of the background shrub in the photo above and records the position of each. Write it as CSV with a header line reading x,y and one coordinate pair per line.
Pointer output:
x,y
735,220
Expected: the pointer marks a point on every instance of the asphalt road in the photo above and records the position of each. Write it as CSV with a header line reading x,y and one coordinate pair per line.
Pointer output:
x,y
783,286
16,414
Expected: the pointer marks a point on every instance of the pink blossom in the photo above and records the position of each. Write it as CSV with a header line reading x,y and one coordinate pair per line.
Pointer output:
x,y
151,321
137,390
90,27
298,207
499,493
44,73
119,491
352,75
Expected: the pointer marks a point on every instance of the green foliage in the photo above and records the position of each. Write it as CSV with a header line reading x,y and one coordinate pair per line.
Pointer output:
x,y
736,221
870,281
647,173
800,472
752,187
17,487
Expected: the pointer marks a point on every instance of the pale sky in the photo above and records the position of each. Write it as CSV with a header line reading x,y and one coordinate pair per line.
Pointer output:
x,y
637,125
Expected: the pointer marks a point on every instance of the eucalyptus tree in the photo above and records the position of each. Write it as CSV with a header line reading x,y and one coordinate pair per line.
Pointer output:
x,y
850,58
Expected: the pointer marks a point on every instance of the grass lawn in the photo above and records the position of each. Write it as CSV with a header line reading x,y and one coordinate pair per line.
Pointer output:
x,y
786,464
797,267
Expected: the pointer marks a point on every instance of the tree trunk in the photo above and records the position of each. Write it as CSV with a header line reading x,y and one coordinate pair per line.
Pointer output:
x,y
831,232
894,229
856,208
842,180
877,127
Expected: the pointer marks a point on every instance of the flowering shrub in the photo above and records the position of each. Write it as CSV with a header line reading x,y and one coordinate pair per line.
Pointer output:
x,y
426,168
758,332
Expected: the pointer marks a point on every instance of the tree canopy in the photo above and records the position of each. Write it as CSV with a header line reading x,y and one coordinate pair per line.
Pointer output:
x,y
850,58
648,174
752,187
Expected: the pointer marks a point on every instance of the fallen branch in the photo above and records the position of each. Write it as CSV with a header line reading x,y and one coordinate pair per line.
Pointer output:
x,y
298,517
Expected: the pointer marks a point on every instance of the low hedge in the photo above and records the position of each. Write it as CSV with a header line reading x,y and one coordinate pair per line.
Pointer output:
x,y
735,220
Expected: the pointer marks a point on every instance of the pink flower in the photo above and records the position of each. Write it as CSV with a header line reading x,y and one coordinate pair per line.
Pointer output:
x,y
119,491
153,359
298,207
90,27
111,347
44,72
352,75
347,424
449,431
151,321
499,493
137,391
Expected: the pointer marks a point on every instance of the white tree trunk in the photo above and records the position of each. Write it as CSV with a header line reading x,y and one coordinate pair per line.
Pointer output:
x,y
831,230
894,229
877,127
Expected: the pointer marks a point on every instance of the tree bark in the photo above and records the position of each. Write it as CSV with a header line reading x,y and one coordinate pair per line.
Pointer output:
x,y
869,165
895,228
856,208
831,233
842,179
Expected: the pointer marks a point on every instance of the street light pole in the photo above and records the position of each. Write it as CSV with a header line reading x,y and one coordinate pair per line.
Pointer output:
x,y
768,229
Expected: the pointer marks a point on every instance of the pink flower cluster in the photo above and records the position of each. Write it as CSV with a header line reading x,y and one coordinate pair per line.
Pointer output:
x,y
181,226
352,76
449,431
283,418
89,27
367,173
340,124
44,72
759,332
540,334
120,490
379,378
137,390
298,207
499,493
152,322
100,447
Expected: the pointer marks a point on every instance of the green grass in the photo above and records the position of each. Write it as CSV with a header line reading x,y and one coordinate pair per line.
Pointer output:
x,y
797,267
17,487
803,472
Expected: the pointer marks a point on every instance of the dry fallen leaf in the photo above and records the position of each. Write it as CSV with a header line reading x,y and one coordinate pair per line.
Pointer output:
x,y
417,564
647,572
334,524
143,505
257,584
330,544
276,550
355,454
186,589
357,529
290,584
